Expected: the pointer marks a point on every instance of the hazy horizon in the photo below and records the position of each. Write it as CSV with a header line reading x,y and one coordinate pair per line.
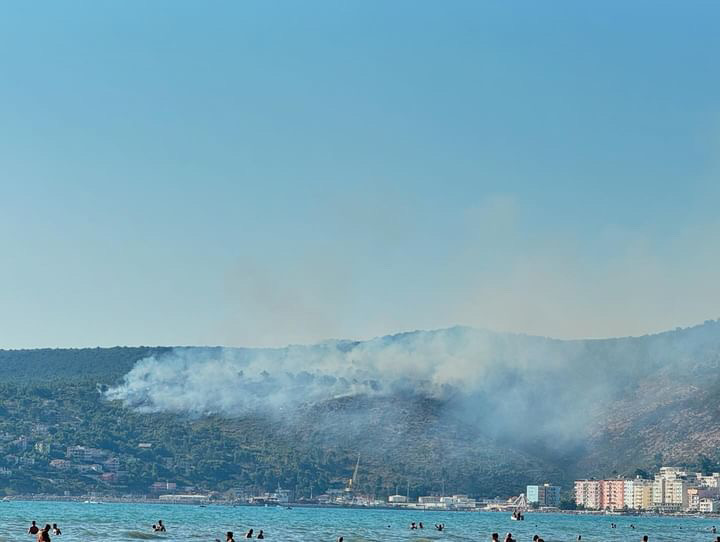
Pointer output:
x,y
368,339
254,174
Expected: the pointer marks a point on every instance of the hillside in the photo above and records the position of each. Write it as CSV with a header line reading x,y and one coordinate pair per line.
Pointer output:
x,y
478,412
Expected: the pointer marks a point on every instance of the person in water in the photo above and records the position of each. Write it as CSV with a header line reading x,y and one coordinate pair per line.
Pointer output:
x,y
421,525
413,526
249,534
34,529
44,535
261,535
495,537
56,529
229,537
509,538
645,538
160,527
535,538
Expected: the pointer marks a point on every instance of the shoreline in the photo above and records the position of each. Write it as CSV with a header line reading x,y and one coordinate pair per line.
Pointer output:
x,y
204,503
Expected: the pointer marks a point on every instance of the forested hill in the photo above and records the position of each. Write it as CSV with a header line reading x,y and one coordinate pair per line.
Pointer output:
x,y
105,365
473,411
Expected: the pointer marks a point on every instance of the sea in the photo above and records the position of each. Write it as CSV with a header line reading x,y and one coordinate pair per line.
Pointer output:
x,y
87,522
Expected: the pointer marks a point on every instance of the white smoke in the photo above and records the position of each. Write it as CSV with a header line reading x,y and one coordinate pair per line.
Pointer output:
x,y
509,384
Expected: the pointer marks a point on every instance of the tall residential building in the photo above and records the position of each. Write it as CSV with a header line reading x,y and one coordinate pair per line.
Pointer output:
x,y
612,494
641,495
544,495
587,493
670,489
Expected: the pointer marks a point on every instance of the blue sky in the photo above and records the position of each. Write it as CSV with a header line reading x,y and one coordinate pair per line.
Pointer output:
x,y
261,173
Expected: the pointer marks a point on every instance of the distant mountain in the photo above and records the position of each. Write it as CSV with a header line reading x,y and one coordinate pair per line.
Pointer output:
x,y
474,411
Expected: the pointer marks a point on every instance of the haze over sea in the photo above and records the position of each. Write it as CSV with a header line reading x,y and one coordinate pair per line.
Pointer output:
x,y
87,522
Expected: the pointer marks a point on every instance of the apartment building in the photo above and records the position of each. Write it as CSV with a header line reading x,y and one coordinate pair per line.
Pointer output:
x,y
587,493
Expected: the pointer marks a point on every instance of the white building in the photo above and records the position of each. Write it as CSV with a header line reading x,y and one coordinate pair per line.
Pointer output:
x,y
712,480
670,489
397,499
708,506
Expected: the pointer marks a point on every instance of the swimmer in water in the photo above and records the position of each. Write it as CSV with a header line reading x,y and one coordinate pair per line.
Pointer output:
x,y
161,527
421,525
261,534
34,529
413,526
535,538
495,537
249,534
44,535
56,529
509,538
645,538
340,539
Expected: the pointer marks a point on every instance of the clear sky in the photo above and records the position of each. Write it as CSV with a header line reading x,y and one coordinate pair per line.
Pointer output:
x,y
263,173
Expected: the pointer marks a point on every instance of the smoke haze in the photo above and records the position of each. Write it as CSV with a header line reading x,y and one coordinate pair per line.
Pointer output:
x,y
515,387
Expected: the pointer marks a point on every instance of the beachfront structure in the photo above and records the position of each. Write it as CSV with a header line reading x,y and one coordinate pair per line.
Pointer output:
x,y
454,502
708,506
612,494
458,502
543,495
397,499
587,494
670,489
638,494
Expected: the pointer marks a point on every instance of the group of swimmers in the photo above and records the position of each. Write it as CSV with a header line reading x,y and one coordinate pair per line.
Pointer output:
x,y
43,535
249,534
419,525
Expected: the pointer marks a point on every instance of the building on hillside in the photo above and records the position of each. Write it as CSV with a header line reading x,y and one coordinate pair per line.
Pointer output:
x,y
112,464
83,454
712,480
544,495
62,464
587,494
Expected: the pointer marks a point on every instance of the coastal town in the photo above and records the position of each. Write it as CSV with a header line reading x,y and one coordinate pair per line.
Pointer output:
x,y
671,490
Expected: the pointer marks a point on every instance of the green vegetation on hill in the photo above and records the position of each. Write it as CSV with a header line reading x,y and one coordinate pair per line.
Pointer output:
x,y
660,405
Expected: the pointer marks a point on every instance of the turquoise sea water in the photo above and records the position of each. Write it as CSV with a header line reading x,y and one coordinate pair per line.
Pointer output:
x,y
131,522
